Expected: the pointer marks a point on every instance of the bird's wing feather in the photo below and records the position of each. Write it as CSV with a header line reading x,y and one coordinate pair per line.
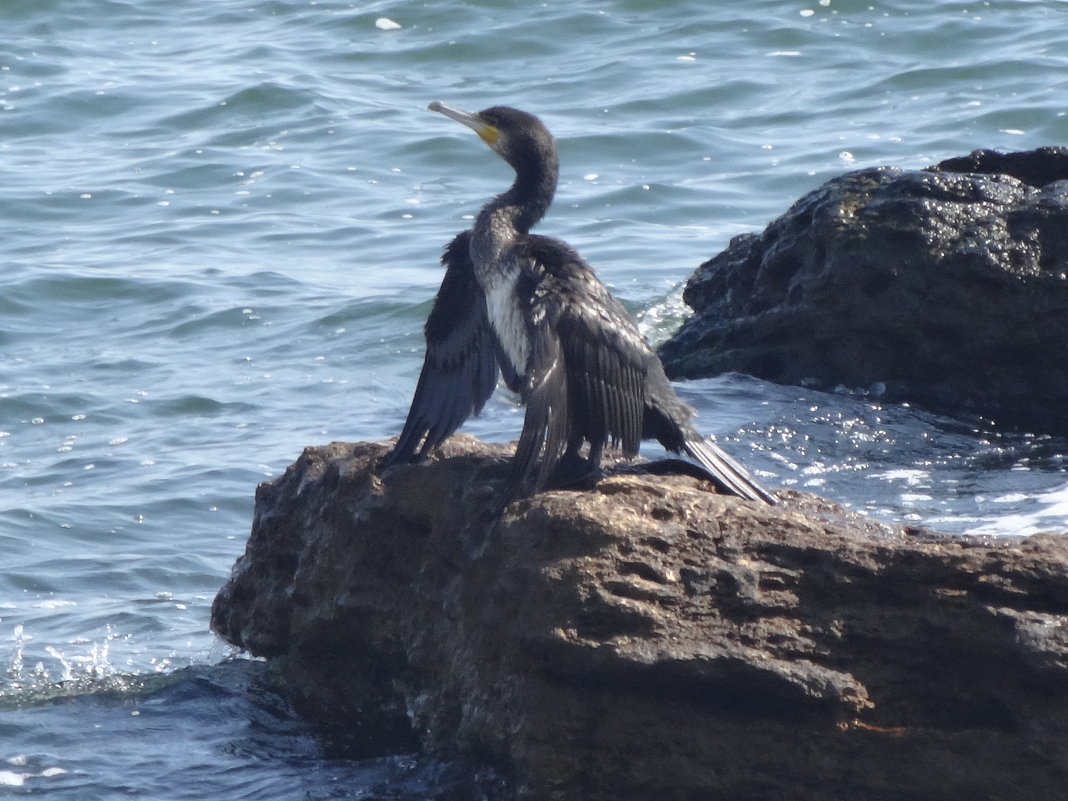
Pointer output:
x,y
460,367
726,472
605,355
546,424
605,362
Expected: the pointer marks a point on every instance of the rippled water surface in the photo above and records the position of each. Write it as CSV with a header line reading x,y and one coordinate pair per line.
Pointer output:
x,y
221,225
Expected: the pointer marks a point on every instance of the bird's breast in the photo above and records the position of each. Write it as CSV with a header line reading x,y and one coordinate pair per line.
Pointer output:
x,y
506,316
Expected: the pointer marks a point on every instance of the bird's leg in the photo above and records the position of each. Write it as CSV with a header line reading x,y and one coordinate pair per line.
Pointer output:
x,y
575,472
594,459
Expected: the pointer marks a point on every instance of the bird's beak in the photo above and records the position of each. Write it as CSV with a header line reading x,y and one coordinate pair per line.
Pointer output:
x,y
489,133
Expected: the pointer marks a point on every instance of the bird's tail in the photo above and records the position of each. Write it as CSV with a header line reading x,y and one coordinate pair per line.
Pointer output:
x,y
726,473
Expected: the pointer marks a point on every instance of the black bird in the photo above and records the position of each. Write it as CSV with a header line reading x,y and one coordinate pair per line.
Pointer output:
x,y
532,308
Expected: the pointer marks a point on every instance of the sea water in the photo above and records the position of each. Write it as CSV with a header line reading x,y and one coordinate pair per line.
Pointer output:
x,y
221,223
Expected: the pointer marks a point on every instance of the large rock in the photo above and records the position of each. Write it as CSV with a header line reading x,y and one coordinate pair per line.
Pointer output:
x,y
650,639
944,287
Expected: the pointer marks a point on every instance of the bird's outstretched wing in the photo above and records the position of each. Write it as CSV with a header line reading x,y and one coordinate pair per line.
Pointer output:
x,y
606,363
585,377
592,377
460,367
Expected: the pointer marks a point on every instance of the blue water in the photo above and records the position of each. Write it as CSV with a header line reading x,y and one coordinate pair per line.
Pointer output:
x,y
221,225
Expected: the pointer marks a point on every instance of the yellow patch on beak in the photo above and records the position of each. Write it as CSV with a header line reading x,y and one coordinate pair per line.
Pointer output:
x,y
489,133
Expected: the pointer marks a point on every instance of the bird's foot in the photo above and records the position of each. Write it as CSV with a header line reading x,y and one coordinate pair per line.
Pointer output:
x,y
574,472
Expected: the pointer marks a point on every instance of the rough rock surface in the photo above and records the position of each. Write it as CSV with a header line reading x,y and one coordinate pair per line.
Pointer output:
x,y
650,639
945,287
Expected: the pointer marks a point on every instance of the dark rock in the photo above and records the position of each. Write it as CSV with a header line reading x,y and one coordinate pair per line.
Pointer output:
x,y
946,288
650,639
1037,168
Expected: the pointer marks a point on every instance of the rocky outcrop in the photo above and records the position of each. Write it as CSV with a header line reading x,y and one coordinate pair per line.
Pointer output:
x,y
650,639
946,288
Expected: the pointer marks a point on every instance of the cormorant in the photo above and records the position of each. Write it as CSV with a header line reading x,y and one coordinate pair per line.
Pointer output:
x,y
532,308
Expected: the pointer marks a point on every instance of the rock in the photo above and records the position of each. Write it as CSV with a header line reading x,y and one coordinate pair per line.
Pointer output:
x,y
946,288
650,639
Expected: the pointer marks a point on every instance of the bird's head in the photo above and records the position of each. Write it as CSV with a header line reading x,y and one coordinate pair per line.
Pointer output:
x,y
519,138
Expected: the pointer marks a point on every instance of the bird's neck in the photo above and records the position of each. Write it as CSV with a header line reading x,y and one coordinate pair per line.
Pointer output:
x,y
511,215
531,194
